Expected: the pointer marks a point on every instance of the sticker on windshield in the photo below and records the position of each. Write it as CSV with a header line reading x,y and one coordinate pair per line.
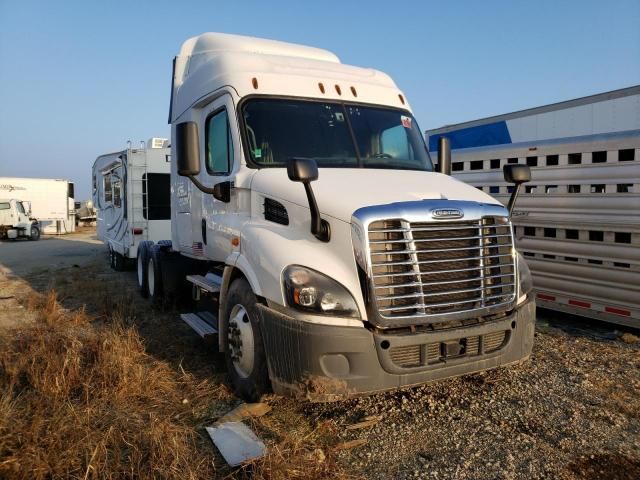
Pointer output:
x,y
406,121
257,152
339,117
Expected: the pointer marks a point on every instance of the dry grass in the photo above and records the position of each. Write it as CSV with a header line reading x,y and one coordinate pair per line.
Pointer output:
x,y
111,389
80,401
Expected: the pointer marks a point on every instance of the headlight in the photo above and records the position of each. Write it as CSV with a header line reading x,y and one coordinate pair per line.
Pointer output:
x,y
313,292
525,283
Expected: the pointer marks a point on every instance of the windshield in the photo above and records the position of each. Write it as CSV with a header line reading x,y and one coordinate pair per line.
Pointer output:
x,y
333,134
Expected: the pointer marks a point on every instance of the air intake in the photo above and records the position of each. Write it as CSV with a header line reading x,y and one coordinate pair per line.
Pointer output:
x,y
275,212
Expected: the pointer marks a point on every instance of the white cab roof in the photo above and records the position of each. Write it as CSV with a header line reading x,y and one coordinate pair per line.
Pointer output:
x,y
212,61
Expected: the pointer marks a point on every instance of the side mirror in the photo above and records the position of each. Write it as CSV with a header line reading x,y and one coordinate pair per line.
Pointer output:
x,y
517,174
188,149
188,152
305,170
222,191
444,156
302,170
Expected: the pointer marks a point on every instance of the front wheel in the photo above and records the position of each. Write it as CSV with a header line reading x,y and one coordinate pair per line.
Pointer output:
x,y
35,233
244,353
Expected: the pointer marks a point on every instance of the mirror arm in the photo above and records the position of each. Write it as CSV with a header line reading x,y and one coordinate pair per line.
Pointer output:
x,y
319,227
199,185
512,200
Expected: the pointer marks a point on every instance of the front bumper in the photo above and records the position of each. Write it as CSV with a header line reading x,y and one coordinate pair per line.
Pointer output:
x,y
326,363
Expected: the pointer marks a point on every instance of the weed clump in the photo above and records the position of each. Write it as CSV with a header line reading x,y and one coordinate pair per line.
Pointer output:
x,y
86,401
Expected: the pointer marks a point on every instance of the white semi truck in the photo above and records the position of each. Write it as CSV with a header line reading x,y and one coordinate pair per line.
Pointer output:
x,y
326,255
16,220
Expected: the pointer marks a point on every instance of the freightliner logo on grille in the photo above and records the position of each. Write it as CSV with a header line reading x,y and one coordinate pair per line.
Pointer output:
x,y
446,213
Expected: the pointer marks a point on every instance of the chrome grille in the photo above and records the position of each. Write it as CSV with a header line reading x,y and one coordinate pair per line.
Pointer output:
x,y
423,269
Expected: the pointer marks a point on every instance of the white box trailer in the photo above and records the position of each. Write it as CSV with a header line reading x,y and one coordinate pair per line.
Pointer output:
x,y
52,201
131,195
578,221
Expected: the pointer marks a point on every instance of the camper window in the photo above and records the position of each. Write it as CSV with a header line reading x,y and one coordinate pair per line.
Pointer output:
x,y
117,193
108,194
5,206
219,145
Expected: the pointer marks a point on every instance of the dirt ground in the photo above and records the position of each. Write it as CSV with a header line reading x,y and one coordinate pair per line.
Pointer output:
x,y
24,257
572,411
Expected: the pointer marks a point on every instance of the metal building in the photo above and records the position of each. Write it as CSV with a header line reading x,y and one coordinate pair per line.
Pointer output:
x,y
578,221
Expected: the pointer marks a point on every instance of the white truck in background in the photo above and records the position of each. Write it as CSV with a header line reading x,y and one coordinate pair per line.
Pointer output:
x,y
131,197
326,256
16,220
52,201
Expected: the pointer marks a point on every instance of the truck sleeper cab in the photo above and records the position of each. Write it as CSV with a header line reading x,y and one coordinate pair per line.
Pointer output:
x,y
306,205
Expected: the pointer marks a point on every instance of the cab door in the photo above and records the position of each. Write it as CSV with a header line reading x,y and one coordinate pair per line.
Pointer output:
x,y
23,218
219,164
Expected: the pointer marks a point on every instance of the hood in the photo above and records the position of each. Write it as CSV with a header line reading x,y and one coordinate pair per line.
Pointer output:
x,y
341,191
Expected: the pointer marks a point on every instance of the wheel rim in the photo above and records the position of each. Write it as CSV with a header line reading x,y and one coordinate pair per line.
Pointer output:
x,y
240,337
151,281
140,271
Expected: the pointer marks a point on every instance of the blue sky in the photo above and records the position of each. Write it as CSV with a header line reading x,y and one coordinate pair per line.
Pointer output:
x,y
78,79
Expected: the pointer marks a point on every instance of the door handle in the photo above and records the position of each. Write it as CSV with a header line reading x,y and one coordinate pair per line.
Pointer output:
x,y
203,225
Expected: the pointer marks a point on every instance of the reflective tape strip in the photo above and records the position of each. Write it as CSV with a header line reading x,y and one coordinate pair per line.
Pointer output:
x,y
549,298
579,303
617,311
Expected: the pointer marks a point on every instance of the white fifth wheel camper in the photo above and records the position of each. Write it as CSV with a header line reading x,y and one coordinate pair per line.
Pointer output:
x,y
51,200
131,195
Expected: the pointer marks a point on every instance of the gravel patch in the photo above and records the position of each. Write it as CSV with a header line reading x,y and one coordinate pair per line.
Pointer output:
x,y
571,411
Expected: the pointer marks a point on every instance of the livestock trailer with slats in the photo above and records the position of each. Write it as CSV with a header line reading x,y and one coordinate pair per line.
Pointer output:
x,y
578,220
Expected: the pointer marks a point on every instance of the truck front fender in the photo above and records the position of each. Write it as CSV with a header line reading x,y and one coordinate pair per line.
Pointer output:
x,y
234,263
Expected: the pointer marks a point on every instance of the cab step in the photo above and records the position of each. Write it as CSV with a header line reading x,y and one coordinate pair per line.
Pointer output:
x,y
210,282
201,323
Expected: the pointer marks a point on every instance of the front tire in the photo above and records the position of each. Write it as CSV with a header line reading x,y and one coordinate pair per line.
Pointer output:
x,y
245,357
35,233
